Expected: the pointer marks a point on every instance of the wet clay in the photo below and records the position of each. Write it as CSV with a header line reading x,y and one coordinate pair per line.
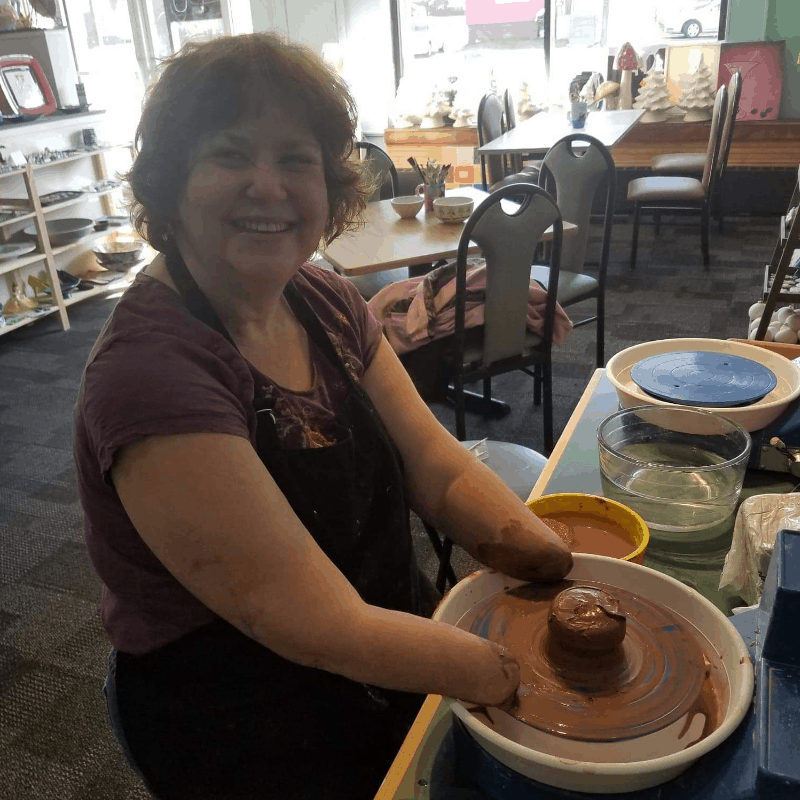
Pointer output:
x,y
590,533
615,688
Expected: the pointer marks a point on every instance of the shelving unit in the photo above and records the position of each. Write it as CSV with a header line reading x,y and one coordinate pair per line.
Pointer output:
x,y
47,253
783,257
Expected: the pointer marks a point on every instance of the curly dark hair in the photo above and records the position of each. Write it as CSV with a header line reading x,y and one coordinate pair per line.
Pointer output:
x,y
211,85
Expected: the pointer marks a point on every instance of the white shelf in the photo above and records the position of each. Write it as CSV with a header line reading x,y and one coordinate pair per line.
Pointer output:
x,y
20,218
123,282
18,263
31,316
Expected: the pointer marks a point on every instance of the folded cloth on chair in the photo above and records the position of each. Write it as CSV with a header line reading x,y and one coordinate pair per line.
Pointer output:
x,y
420,310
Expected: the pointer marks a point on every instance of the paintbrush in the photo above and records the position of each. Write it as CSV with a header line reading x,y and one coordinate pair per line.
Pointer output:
x,y
413,162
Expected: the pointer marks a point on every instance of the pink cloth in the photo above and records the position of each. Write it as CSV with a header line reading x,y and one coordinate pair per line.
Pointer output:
x,y
417,311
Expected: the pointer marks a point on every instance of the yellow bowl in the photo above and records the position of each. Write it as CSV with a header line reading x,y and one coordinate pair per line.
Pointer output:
x,y
636,530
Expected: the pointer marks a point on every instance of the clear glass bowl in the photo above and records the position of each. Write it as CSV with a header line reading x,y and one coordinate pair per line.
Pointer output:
x,y
680,468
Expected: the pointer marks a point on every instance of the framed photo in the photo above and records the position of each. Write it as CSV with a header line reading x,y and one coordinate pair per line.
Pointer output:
x,y
23,87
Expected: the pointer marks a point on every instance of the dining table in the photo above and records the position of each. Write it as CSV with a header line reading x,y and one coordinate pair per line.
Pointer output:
x,y
537,134
385,241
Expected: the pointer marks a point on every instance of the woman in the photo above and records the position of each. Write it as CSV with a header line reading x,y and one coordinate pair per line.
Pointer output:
x,y
248,446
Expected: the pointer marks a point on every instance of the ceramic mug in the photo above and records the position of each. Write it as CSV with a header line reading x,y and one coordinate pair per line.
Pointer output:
x,y
430,191
578,113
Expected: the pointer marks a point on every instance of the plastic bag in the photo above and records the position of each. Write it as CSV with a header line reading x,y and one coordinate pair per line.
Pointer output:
x,y
757,524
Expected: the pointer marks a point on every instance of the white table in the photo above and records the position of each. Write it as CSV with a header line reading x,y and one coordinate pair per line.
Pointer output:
x,y
540,132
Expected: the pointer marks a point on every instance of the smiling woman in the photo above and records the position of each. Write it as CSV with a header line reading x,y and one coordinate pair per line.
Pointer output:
x,y
241,432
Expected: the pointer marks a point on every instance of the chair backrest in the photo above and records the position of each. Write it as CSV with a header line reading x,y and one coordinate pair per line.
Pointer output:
x,y
490,126
508,242
577,178
380,165
514,161
714,138
734,95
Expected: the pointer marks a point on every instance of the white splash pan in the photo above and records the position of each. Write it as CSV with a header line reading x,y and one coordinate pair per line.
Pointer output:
x,y
571,770
752,418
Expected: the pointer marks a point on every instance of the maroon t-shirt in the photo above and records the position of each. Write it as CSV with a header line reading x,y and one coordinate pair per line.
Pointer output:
x,y
157,370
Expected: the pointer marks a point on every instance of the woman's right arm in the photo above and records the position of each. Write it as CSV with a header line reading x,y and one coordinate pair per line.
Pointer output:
x,y
212,514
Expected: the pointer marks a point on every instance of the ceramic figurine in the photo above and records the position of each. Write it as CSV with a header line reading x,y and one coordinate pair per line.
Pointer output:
x,y
627,62
19,301
608,92
699,91
654,97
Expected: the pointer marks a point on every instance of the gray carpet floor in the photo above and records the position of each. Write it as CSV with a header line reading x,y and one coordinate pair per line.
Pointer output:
x,y
55,743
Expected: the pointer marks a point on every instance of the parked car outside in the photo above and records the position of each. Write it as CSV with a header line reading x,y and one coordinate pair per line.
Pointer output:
x,y
693,19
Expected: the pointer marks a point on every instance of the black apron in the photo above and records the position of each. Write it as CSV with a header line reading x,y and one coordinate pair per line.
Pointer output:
x,y
216,715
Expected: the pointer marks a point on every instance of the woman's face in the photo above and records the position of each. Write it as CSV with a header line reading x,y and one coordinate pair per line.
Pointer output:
x,y
255,199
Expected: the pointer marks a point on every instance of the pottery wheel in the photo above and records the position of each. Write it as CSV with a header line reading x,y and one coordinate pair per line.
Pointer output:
x,y
645,684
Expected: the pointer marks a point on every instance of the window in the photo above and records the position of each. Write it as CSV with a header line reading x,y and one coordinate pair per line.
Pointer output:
x,y
474,46
464,48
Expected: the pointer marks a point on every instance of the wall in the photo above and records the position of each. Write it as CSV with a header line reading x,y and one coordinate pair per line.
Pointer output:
x,y
364,30
783,22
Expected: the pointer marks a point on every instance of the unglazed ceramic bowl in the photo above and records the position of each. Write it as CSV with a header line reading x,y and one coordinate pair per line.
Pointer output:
x,y
453,209
407,206
592,766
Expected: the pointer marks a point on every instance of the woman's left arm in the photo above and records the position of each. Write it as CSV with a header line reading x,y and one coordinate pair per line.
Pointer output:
x,y
453,491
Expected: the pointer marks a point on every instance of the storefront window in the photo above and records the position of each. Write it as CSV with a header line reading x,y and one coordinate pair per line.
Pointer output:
x,y
465,48
475,46
585,33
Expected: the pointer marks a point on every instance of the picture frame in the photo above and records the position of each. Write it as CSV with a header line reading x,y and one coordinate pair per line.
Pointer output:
x,y
24,88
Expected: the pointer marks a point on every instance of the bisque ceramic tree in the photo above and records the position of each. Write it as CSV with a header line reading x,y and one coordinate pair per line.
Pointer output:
x,y
627,62
653,97
699,91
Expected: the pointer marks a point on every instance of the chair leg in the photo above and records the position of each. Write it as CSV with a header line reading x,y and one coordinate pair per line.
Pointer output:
x,y
601,330
537,384
487,396
445,568
705,222
547,411
657,220
444,565
461,425
635,241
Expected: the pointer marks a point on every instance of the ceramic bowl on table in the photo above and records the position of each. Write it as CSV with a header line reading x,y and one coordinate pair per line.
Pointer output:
x,y
64,231
453,209
407,206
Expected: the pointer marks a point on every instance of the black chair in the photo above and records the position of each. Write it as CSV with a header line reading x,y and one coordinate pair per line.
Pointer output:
x,y
667,193
694,163
515,161
381,167
495,171
577,177
503,343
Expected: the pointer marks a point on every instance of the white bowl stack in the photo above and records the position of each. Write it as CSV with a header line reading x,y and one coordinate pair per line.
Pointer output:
x,y
784,325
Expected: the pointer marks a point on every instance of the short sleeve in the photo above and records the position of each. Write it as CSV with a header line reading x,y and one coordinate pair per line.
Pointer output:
x,y
151,383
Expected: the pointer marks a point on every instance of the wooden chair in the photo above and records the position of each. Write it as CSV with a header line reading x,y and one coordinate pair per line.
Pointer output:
x,y
577,177
694,163
495,171
668,193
